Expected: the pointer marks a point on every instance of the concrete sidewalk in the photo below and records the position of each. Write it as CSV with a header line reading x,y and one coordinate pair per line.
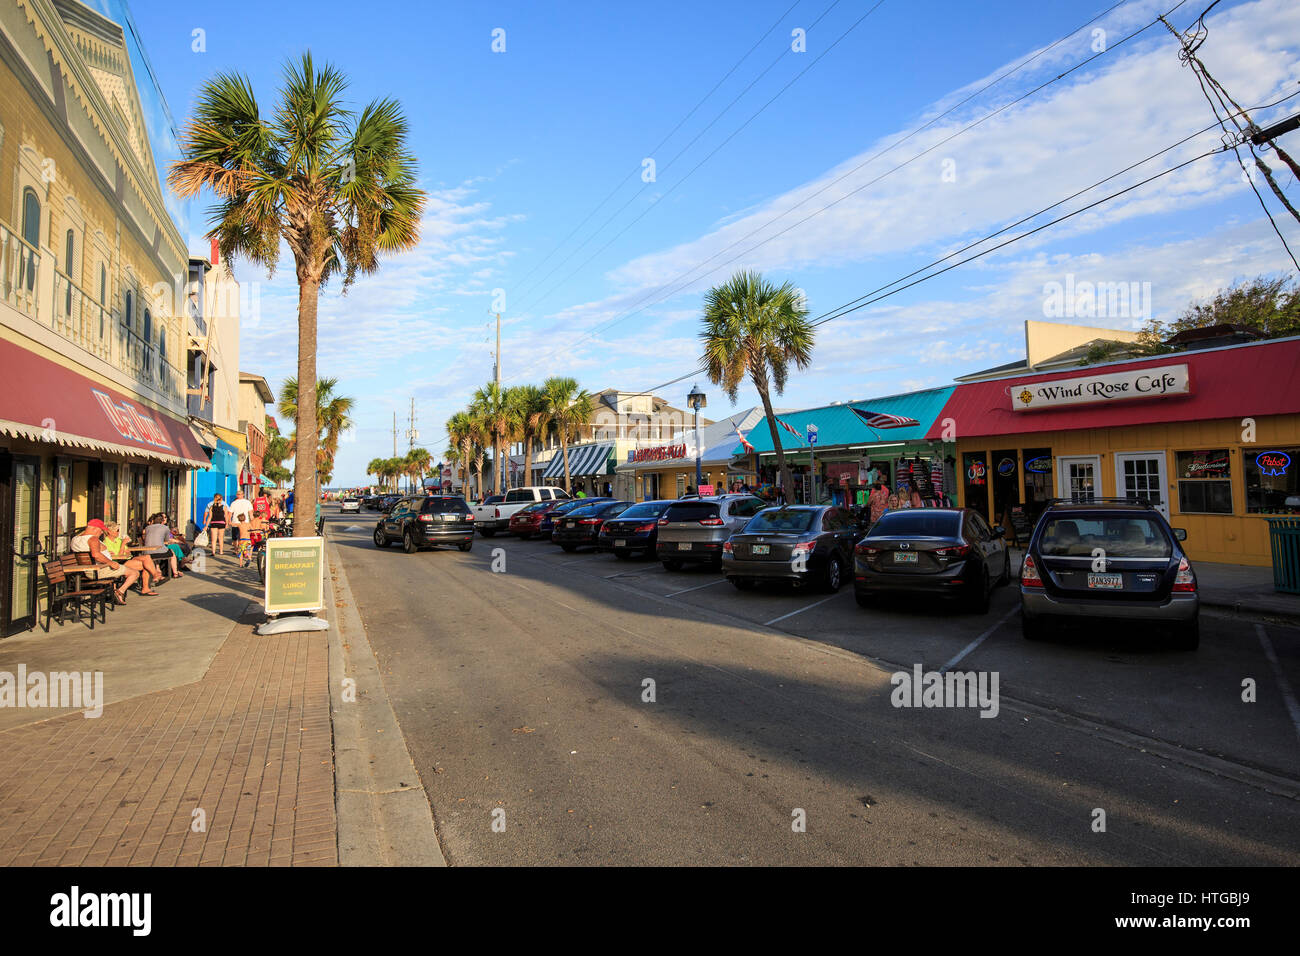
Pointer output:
x,y
214,747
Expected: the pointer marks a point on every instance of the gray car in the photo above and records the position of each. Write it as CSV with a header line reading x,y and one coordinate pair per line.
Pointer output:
x,y
693,530
798,544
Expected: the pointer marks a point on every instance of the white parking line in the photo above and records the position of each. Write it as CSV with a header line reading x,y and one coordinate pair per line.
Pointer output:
x,y
979,640
1288,698
623,574
800,611
697,587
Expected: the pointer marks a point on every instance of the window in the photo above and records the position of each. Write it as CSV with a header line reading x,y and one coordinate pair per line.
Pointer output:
x,y
1204,482
1119,535
128,313
162,351
513,497
69,250
1271,483
103,291
918,522
31,233
782,521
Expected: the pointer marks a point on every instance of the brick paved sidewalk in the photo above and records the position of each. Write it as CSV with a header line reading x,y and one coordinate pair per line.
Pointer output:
x,y
250,744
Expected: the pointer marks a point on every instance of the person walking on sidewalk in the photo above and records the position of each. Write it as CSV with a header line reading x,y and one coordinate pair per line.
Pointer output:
x,y
214,522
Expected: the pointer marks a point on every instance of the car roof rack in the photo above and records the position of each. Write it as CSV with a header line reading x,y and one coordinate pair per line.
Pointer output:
x,y
1135,500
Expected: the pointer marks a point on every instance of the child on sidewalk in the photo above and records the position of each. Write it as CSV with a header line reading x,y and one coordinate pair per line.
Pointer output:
x,y
245,544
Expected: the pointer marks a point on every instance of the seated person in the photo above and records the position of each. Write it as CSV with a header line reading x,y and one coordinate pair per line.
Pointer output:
x,y
156,534
115,544
89,542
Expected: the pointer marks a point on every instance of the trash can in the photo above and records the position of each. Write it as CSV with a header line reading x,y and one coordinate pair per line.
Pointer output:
x,y
1284,538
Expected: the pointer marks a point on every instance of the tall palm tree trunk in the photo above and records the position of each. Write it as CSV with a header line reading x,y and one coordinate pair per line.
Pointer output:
x,y
528,460
304,463
564,450
787,484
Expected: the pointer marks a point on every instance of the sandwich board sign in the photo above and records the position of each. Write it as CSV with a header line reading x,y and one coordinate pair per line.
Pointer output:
x,y
295,574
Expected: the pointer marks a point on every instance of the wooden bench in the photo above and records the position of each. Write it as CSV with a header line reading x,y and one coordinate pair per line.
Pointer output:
x,y
61,594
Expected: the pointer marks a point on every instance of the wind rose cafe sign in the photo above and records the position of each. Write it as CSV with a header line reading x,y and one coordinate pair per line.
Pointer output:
x,y
1166,381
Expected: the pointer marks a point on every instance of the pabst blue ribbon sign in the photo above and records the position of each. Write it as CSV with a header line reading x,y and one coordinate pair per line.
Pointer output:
x,y
132,422
1165,381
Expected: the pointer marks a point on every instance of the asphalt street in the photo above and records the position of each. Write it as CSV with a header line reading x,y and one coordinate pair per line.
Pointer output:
x,y
574,708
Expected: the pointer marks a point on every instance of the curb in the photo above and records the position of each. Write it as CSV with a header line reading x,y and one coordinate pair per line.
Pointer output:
x,y
383,811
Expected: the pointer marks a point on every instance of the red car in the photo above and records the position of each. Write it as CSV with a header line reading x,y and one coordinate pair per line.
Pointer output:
x,y
525,521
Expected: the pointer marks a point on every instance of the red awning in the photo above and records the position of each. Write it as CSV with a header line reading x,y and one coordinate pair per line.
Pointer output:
x,y
1242,381
43,401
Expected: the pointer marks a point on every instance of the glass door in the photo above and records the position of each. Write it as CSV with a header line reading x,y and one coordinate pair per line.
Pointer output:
x,y
1080,477
61,506
19,560
1142,475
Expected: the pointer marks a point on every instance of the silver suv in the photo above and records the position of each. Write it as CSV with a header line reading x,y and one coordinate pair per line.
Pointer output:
x,y
695,529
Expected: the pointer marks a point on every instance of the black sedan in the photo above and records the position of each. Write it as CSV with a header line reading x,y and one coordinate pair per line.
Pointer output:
x,y
581,526
546,528
424,521
636,529
800,544
950,552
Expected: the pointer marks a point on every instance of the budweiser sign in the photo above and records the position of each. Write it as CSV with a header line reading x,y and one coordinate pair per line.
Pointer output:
x,y
658,453
132,422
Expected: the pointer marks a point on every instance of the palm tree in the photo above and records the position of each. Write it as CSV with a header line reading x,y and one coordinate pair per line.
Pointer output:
x,y
333,417
376,467
418,461
480,436
339,188
753,328
460,431
532,417
568,407
490,402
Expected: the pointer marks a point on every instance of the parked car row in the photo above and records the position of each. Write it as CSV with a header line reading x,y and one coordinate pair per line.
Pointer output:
x,y
1086,560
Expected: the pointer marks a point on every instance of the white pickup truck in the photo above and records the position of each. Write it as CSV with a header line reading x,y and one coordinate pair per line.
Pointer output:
x,y
494,513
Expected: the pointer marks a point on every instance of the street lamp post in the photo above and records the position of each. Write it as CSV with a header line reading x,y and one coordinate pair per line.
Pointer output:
x,y
697,400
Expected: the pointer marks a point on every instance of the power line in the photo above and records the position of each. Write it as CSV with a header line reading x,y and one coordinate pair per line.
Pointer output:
x,y
709,156
634,170
642,304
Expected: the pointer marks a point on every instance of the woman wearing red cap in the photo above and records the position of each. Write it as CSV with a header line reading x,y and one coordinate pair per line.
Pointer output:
x,y
106,567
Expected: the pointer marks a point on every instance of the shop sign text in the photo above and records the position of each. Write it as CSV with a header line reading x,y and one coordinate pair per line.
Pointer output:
x,y
1163,382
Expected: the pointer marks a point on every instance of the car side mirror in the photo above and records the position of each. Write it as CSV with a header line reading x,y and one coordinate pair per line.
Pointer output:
x,y
999,531
1180,534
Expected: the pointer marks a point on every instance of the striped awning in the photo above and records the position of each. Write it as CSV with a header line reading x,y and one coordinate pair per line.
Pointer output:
x,y
584,460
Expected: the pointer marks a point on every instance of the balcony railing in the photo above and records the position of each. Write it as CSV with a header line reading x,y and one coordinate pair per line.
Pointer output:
x,y
82,320
19,263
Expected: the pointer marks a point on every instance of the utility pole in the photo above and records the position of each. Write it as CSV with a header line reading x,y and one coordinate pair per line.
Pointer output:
x,y
497,373
411,436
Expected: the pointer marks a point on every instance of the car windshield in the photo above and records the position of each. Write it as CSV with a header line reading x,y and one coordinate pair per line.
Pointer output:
x,y
781,521
444,505
646,509
1118,535
919,523
691,510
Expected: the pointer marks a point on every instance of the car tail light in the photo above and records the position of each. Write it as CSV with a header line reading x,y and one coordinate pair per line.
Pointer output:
x,y
1184,580
588,521
469,517
711,522
727,548
1029,576
644,528
960,551
662,522
807,547
498,512
426,517
866,550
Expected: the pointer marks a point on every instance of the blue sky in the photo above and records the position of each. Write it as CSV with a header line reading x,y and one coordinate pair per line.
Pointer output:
x,y
517,148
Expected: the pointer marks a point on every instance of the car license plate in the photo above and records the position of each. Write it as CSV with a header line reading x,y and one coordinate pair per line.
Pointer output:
x,y
905,557
568,524
621,543
683,546
762,549
1106,582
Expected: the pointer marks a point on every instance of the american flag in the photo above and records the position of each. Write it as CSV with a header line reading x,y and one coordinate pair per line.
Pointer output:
x,y
882,420
790,428
749,449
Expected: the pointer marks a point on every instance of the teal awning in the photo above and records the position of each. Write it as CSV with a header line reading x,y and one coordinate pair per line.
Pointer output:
x,y
839,425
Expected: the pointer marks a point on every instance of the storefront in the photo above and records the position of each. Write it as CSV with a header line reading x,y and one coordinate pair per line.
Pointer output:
x,y
1211,438
72,449
591,468
657,472
857,445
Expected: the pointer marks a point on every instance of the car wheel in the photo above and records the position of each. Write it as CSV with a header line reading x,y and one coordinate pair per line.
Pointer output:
x,y
672,564
381,539
524,537
621,554
834,575
864,598
1188,636
408,543
569,548
1030,629
742,584
466,545
979,600
487,532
